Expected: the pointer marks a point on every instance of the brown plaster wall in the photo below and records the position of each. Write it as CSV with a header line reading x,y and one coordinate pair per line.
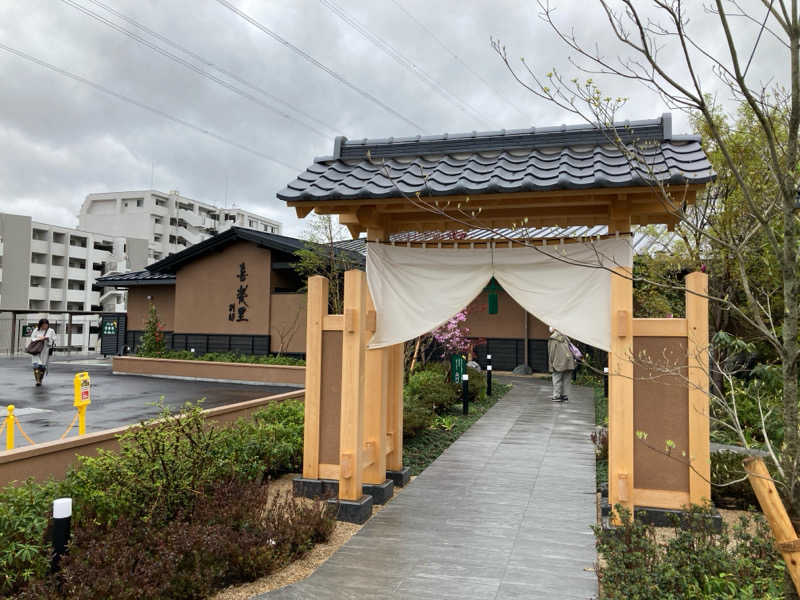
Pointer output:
x,y
275,374
53,459
207,286
509,322
287,323
163,296
330,405
661,410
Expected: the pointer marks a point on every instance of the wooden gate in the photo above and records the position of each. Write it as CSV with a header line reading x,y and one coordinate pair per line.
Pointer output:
x,y
658,411
353,437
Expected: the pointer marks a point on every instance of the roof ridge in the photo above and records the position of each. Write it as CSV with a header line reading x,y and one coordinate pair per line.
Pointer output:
x,y
659,129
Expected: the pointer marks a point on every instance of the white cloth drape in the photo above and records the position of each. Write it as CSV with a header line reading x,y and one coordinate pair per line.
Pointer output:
x,y
415,290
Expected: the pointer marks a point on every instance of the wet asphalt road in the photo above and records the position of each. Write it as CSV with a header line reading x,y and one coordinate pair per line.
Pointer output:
x,y
117,400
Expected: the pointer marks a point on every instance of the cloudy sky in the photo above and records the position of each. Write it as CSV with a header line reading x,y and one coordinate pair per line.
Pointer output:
x,y
61,139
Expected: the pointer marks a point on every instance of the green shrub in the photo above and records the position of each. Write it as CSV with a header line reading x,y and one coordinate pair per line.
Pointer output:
x,y
477,385
268,443
417,414
433,385
24,516
153,342
695,563
232,357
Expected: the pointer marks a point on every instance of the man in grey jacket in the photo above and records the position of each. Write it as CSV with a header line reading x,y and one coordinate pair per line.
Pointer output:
x,y
561,363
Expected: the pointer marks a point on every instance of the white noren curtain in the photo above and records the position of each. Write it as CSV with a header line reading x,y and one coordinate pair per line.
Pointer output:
x,y
415,290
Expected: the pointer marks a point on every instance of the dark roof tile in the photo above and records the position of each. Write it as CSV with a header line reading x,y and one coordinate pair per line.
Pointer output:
x,y
526,160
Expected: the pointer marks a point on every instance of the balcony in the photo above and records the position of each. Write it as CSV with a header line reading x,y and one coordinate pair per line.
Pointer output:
x,y
37,293
58,249
56,294
40,246
76,273
57,272
76,296
77,252
39,269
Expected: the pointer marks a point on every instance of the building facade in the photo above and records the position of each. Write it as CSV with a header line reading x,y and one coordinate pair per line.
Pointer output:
x,y
168,221
50,269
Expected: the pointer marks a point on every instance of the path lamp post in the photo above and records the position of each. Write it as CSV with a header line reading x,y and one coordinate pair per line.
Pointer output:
x,y
465,393
488,374
62,515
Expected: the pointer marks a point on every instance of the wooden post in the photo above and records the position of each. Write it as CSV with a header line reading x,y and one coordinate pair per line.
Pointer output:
x,y
375,397
351,429
773,509
394,408
316,311
697,346
621,479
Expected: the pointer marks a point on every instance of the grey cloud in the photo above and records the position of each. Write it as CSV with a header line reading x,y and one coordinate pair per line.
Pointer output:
x,y
60,140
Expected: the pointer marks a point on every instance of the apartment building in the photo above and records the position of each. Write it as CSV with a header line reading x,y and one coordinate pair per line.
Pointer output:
x,y
49,268
170,222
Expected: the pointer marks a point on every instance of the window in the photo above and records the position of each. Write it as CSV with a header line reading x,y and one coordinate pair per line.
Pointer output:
x,y
172,239
39,234
38,258
161,201
157,255
173,221
157,220
157,237
251,223
58,238
139,203
58,261
77,241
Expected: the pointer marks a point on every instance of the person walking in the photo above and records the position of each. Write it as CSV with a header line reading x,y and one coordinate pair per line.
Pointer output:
x,y
44,334
561,363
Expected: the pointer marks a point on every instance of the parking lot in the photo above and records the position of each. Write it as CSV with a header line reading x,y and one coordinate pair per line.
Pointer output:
x,y
44,412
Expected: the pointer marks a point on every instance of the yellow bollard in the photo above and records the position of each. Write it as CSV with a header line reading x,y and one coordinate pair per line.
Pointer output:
x,y
9,427
83,398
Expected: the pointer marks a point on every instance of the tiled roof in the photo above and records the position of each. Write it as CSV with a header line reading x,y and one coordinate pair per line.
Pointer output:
x,y
273,241
136,278
524,160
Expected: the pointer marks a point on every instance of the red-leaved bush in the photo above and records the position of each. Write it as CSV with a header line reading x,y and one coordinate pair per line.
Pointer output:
x,y
236,532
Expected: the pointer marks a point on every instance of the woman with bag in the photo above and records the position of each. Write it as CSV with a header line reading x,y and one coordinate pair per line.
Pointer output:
x,y
43,339
561,361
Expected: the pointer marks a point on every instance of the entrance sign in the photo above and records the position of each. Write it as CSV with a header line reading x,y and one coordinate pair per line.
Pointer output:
x,y
109,328
567,286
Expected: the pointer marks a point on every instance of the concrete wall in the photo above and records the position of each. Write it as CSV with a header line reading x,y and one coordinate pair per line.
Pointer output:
x,y
163,297
288,323
15,231
207,370
52,459
206,287
509,322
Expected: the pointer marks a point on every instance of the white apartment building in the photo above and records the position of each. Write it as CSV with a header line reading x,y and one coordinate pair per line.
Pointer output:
x,y
170,222
49,268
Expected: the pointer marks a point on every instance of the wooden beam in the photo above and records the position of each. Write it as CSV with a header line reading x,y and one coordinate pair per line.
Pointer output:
x,y
777,517
621,477
502,212
619,215
659,327
302,211
609,191
375,398
328,471
394,407
699,419
316,313
351,431
660,498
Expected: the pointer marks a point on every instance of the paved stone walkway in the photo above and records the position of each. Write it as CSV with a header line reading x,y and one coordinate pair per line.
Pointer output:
x,y
504,513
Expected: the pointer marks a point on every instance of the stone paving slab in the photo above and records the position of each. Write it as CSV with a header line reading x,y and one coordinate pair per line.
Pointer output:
x,y
504,513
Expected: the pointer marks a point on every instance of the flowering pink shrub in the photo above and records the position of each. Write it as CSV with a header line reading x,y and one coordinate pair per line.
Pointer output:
x,y
453,336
